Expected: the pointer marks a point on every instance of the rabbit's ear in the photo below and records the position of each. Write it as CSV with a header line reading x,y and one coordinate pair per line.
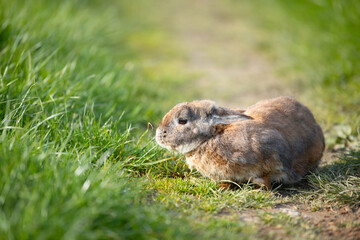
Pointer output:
x,y
225,116
230,119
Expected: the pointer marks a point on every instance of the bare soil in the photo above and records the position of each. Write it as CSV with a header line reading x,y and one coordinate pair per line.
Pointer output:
x,y
339,223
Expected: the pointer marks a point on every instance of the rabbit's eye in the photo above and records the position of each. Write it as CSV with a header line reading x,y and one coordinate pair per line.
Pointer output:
x,y
182,121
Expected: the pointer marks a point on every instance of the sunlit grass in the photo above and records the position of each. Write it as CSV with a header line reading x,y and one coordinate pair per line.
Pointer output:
x,y
68,149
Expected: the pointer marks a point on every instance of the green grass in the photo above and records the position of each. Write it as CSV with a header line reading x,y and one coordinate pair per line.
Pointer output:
x,y
66,106
81,80
205,195
47,196
338,183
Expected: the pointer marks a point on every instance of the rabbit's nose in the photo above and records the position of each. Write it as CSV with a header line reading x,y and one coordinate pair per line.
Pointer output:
x,y
161,133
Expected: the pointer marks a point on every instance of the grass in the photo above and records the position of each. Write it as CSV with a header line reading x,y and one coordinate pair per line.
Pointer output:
x,y
339,182
81,80
66,106
205,196
46,196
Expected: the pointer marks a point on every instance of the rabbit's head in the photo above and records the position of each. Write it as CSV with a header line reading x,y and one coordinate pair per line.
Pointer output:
x,y
188,125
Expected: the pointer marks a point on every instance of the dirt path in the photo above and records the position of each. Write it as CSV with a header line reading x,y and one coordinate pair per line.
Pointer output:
x,y
221,48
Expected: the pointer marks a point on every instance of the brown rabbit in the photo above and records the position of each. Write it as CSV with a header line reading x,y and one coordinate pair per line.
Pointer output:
x,y
273,140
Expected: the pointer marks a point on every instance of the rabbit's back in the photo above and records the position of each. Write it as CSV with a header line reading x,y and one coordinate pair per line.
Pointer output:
x,y
298,127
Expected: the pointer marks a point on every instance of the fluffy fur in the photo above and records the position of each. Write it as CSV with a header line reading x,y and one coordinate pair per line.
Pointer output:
x,y
273,140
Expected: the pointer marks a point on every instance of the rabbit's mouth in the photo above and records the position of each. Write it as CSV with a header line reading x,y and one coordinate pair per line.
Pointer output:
x,y
185,148
182,148
161,144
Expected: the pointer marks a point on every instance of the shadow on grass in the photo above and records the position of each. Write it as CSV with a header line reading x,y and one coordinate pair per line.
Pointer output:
x,y
336,181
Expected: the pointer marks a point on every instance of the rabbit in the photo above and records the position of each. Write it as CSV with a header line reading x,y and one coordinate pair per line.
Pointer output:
x,y
275,140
